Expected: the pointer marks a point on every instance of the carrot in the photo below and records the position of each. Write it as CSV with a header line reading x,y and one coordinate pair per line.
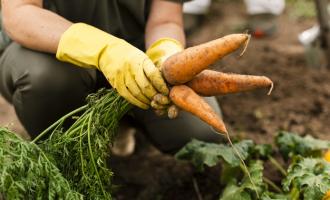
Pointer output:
x,y
212,83
183,66
186,99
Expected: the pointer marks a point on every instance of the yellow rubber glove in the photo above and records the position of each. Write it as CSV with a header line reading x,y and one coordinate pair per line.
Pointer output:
x,y
128,69
158,52
163,48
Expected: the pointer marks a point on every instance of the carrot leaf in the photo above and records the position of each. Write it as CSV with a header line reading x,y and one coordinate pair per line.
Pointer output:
x,y
310,176
26,172
262,151
202,153
244,189
291,144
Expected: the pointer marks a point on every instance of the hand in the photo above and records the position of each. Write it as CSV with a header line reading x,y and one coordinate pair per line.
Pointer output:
x,y
158,52
128,69
133,74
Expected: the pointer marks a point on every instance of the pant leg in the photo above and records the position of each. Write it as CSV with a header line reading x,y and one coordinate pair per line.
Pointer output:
x,y
169,135
41,88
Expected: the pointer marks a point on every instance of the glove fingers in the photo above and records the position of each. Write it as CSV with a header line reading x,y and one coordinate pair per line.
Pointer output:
x,y
134,88
158,106
155,77
145,85
124,92
162,99
173,112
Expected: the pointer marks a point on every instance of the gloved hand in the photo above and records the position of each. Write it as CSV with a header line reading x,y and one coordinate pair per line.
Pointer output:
x,y
128,69
162,49
158,52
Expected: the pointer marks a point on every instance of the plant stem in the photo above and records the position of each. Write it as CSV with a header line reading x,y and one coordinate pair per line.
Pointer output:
x,y
81,152
78,123
91,152
277,165
294,194
58,121
198,193
273,185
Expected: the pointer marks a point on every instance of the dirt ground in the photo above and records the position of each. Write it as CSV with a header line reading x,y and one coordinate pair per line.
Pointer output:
x,y
300,103
8,117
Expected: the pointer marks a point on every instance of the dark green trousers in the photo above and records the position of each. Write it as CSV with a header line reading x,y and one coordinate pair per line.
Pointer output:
x,y
42,89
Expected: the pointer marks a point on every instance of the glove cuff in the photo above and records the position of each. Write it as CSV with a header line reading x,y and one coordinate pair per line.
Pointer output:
x,y
82,45
163,48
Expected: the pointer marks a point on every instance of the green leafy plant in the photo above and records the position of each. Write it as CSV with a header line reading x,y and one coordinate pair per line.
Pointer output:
x,y
201,153
310,176
307,176
81,152
71,163
26,172
244,189
291,144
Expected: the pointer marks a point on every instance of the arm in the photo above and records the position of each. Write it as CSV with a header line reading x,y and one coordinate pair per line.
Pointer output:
x,y
34,27
126,68
160,25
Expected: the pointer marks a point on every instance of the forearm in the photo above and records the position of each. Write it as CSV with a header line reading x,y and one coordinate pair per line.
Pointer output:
x,y
160,25
169,30
34,27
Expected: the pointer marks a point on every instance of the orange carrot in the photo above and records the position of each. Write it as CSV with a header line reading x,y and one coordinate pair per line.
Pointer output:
x,y
212,83
186,99
183,66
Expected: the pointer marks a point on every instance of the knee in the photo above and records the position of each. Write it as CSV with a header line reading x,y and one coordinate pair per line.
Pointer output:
x,y
41,73
43,80
171,135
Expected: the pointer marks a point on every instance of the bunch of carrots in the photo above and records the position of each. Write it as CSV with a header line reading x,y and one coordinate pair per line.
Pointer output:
x,y
187,73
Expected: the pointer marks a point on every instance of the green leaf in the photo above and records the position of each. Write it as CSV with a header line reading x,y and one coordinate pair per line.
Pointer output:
x,y
232,191
291,144
245,190
262,151
311,176
201,153
228,173
272,196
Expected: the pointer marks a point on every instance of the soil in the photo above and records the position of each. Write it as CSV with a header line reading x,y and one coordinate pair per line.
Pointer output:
x,y
9,119
299,103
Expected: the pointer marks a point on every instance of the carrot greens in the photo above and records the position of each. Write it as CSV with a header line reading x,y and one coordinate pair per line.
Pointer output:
x,y
71,163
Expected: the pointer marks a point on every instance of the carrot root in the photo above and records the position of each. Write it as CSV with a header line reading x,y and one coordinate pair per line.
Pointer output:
x,y
183,66
270,89
186,99
246,44
212,83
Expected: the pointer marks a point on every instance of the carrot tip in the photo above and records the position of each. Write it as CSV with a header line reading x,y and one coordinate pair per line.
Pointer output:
x,y
271,88
245,45
223,132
